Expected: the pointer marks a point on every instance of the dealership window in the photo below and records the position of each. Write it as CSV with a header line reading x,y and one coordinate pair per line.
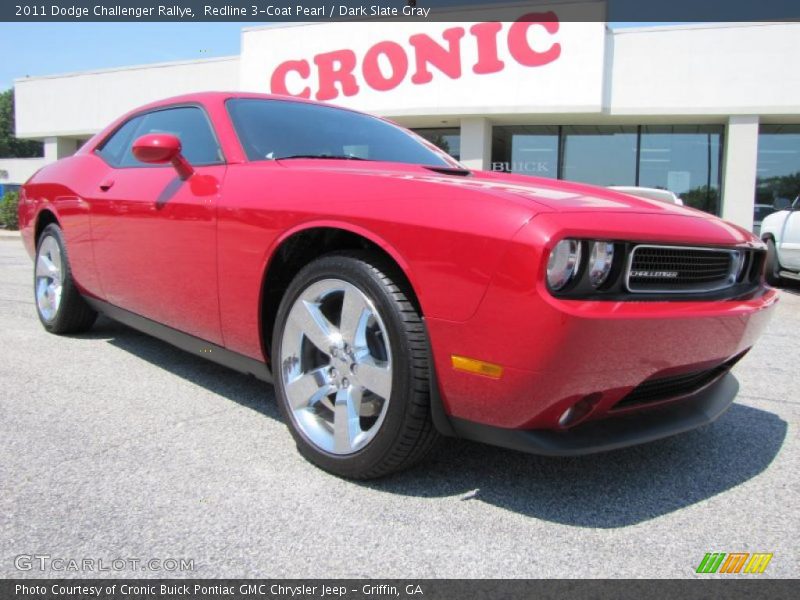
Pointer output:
x,y
685,160
446,138
599,155
526,150
778,167
682,159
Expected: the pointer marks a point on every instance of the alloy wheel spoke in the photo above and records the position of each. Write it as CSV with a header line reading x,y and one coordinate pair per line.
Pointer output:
x,y
375,377
346,424
309,388
315,326
46,268
355,314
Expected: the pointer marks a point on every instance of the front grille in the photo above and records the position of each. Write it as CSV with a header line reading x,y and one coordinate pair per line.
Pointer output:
x,y
675,269
666,388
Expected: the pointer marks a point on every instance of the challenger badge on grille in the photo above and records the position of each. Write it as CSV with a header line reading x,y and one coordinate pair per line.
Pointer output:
x,y
681,269
659,274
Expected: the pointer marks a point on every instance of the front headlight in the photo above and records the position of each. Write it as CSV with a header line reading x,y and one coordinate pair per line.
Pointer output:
x,y
600,260
563,263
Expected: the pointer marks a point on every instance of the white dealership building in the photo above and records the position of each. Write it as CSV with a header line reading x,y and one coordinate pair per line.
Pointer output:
x,y
709,111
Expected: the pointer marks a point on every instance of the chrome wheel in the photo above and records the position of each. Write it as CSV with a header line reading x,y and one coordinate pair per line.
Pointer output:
x,y
49,278
336,366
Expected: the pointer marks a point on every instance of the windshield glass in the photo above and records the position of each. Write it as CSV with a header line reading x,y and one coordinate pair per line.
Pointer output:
x,y
274,129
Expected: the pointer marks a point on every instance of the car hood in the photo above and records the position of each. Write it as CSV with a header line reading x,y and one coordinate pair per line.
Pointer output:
x,y
556,195
539,194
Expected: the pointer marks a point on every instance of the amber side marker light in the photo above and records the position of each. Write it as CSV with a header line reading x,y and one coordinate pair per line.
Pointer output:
x,y
477,367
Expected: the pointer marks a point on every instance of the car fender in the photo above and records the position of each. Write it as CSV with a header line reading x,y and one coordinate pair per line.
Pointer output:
x,y
772,225
345,226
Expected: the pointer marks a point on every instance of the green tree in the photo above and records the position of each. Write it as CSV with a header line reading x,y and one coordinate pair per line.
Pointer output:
x,y
10,146
702,197
8,210
782,186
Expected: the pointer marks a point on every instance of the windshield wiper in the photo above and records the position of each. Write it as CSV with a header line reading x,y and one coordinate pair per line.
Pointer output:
x,y
323,157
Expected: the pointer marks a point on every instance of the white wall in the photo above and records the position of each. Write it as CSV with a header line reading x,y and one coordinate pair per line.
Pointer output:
x,y
711,69
573,82
739,170
18,170
84,103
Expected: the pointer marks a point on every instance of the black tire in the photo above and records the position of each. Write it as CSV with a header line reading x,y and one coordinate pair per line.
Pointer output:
x,y
772,268
73,314
407,433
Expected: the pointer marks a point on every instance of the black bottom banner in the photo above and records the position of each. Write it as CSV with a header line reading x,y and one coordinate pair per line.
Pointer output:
x,y
361,589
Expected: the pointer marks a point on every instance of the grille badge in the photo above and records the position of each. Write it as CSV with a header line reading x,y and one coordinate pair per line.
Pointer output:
x,y
654,268
659,274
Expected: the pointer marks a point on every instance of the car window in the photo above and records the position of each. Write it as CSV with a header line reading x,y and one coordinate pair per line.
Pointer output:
x,y
120,142
188,123
274,129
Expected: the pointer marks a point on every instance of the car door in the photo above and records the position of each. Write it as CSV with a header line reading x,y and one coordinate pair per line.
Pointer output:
x,y
789,244
154,233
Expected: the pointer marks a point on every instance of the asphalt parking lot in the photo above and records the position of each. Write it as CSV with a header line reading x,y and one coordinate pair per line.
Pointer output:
x,y
116,445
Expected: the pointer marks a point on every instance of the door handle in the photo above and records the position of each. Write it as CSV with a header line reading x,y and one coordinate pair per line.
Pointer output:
x,y
106,185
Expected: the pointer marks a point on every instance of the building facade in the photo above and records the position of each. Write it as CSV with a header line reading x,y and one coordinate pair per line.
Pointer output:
x,y
709,111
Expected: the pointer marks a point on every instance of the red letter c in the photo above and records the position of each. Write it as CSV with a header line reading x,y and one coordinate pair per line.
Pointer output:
x,y
278,82
518,39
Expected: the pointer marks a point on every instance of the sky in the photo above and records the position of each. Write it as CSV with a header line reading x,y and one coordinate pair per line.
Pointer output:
x,y
32,49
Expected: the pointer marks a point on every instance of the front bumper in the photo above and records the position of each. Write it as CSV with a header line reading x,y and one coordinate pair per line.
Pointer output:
x,y
611,433
556,352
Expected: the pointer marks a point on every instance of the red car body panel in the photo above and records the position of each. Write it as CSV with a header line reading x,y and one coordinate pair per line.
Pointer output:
x,y
193,255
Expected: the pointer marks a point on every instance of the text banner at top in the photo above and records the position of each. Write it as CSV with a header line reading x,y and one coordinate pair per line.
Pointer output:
x,y
266,11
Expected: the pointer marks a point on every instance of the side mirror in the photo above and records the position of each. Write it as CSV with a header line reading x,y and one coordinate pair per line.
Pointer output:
x,y
161,148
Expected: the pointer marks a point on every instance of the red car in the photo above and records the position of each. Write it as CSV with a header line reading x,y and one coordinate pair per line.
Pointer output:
x,y
391,293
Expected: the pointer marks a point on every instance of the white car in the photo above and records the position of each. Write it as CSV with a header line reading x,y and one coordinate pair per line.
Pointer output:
x,y
781,232
649,193
760,212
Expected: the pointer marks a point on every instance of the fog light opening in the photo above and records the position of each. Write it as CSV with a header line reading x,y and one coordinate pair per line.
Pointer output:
x,y
579,411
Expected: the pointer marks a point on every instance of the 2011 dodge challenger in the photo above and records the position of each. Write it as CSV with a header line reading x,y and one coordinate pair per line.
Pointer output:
x,y
390,293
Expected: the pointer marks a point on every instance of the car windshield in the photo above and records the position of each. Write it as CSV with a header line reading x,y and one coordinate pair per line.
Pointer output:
x,y
276,129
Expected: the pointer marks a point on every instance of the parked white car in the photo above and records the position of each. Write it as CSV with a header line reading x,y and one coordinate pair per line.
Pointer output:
x,y
649,193
760,212
781,232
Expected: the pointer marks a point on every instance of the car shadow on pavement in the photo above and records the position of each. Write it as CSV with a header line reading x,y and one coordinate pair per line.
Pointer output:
x,y
244,389
609,490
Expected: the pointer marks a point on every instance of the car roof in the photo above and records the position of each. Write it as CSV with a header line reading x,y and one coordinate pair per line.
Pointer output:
x,y
221,96
207,99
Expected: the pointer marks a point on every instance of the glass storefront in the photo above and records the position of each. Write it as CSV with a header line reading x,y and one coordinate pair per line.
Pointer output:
x,y
527,150
446,138
599,155
778,167
684,159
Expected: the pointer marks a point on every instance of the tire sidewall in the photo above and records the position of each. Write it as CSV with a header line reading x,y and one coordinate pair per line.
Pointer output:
x,y
359,274
773,267
53,231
